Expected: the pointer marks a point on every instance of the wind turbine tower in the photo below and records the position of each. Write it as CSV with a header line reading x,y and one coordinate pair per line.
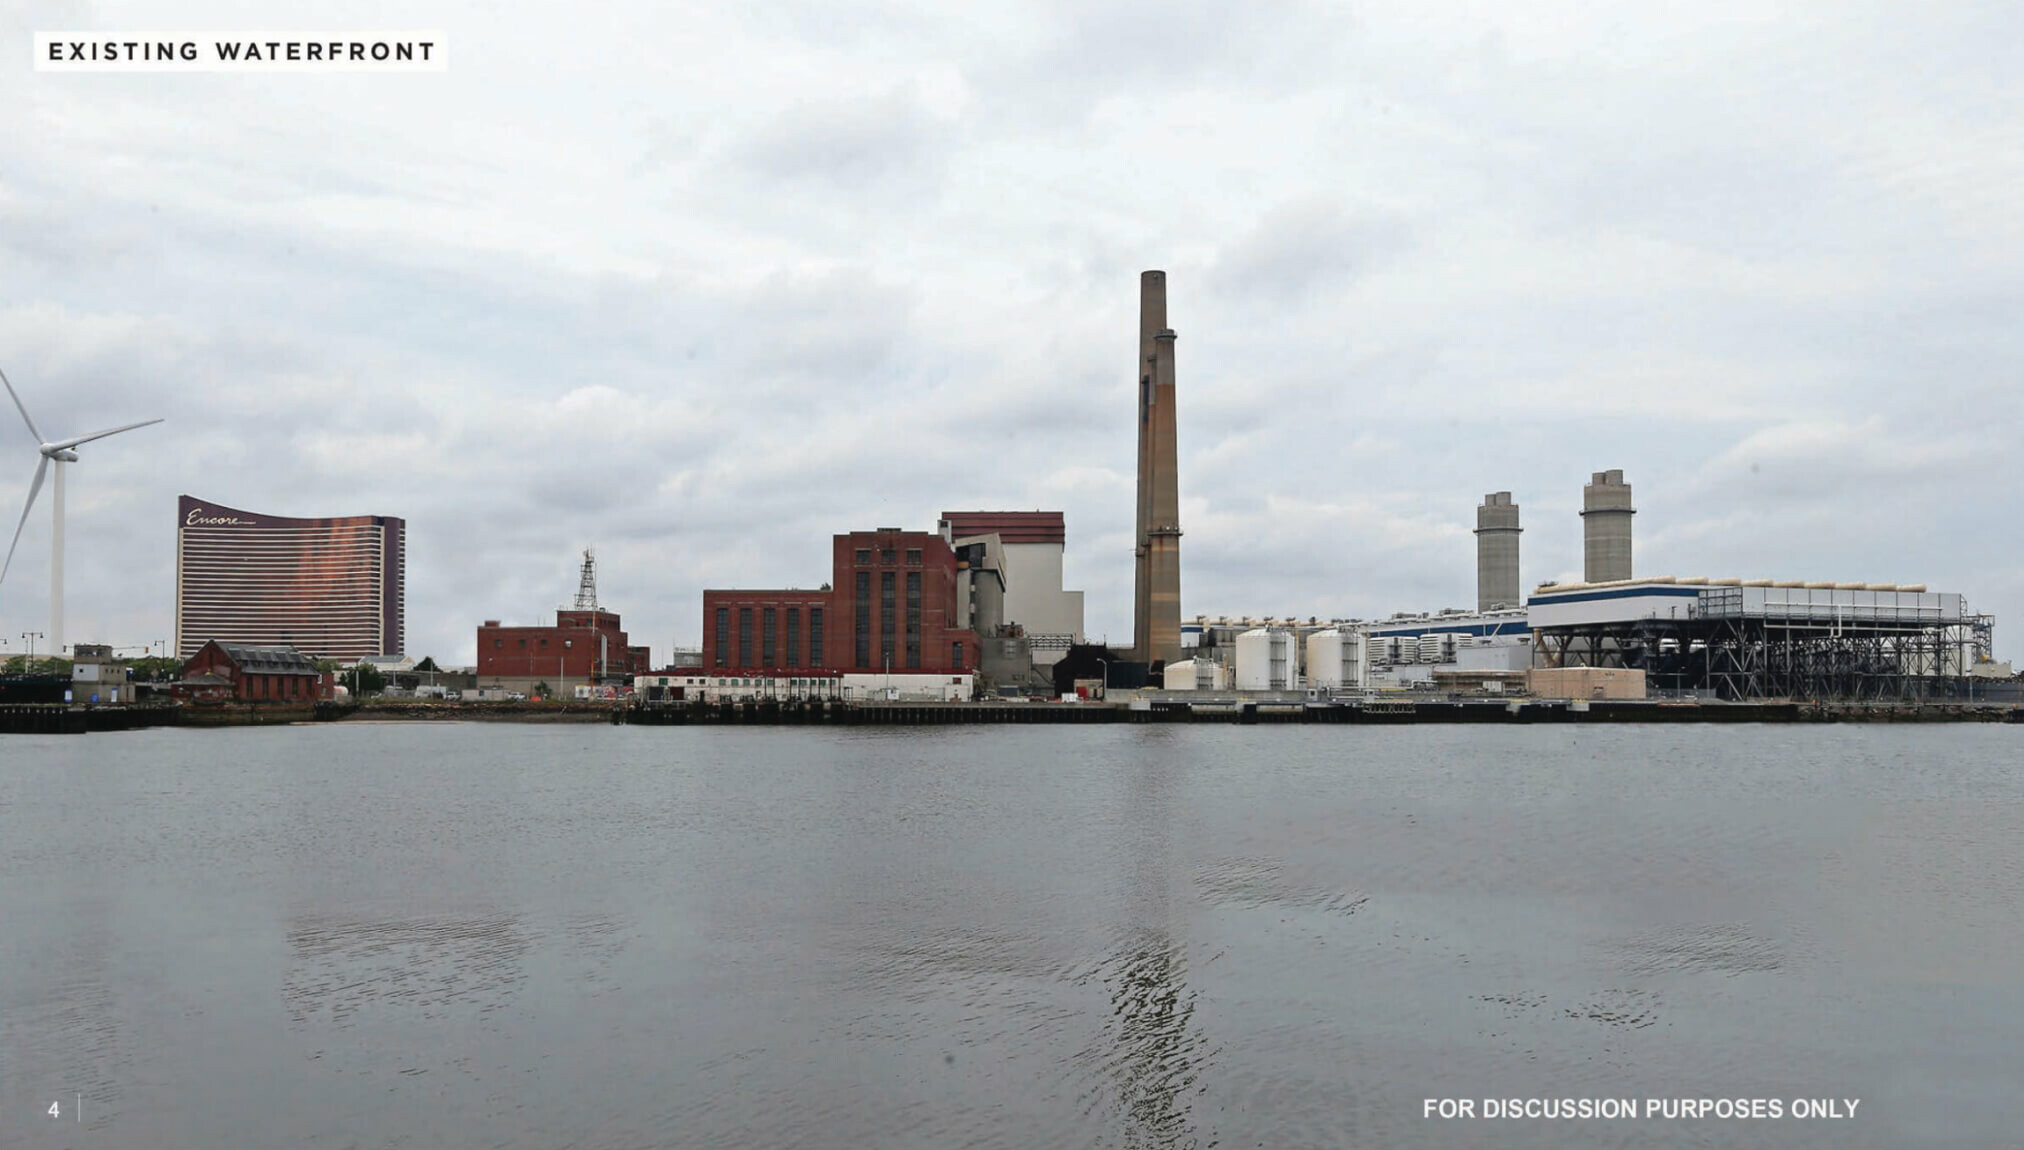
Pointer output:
x,y
59,452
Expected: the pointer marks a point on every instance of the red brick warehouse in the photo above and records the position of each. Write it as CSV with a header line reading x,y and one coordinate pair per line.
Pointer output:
x,y
889,607
583,646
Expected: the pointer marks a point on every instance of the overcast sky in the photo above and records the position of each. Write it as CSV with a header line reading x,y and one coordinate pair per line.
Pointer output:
x,y
700,286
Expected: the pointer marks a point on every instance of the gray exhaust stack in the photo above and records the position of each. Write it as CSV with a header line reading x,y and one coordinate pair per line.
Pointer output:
x,y
1497,533
1605,520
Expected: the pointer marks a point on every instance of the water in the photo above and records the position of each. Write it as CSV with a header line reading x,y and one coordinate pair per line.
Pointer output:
x,y
1169,936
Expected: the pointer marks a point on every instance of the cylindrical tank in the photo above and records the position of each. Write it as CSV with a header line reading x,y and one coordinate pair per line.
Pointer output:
x,y
1285,662
1324,659
1265,660
1335,659
1254,655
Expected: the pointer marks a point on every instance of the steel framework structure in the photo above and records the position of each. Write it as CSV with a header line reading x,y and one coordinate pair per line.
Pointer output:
x,y
1783,652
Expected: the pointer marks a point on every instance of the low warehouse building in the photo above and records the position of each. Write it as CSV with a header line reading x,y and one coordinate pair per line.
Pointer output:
x,y
240,672
1585,683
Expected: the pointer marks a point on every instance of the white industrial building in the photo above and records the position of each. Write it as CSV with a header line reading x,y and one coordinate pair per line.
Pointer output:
x,y
1763,638
1406,650
802,687
1670,598
1023,550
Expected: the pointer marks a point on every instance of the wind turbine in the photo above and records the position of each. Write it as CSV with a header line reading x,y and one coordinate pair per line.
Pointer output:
x,y
61,451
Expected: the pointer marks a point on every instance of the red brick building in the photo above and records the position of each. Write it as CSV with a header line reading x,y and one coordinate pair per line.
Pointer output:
x,y
582,647
784,629
890,606
248,674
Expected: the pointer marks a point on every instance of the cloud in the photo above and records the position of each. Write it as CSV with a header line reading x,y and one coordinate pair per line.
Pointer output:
x,y
1302,247
844,142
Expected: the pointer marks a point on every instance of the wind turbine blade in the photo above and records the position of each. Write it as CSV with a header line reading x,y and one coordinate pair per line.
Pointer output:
x,y
19,408
34,489
101,434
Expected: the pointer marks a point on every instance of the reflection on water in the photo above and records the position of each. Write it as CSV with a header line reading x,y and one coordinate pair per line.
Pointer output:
x,y
1723,948
1146,1066
1253,882
431,968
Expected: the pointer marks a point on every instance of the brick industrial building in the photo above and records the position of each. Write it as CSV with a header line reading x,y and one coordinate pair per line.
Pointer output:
x,y
890,608
584,646
237,672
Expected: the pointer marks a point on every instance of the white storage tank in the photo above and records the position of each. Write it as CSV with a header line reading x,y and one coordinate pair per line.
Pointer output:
x,y
1324,655
1335,660
1197,675
1211,675
1285,671
1265,660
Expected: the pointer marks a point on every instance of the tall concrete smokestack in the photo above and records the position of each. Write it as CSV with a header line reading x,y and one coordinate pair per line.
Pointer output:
x,y
1497,533
1156,607
1605,521
1152,321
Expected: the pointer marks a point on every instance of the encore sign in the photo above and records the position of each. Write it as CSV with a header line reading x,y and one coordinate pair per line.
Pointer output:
x,y
197,518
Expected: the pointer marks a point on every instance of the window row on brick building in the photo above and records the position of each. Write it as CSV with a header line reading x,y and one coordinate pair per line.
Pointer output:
x,y
895,592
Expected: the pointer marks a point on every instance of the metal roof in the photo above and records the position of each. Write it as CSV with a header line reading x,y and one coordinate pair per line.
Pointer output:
x,y
268,660
1009,526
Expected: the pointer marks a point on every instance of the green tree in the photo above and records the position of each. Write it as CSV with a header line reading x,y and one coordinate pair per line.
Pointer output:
x,y
542,690
365,679
155,669
428,663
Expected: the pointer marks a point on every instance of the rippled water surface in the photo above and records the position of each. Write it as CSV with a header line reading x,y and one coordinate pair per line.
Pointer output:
x,y
596,937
